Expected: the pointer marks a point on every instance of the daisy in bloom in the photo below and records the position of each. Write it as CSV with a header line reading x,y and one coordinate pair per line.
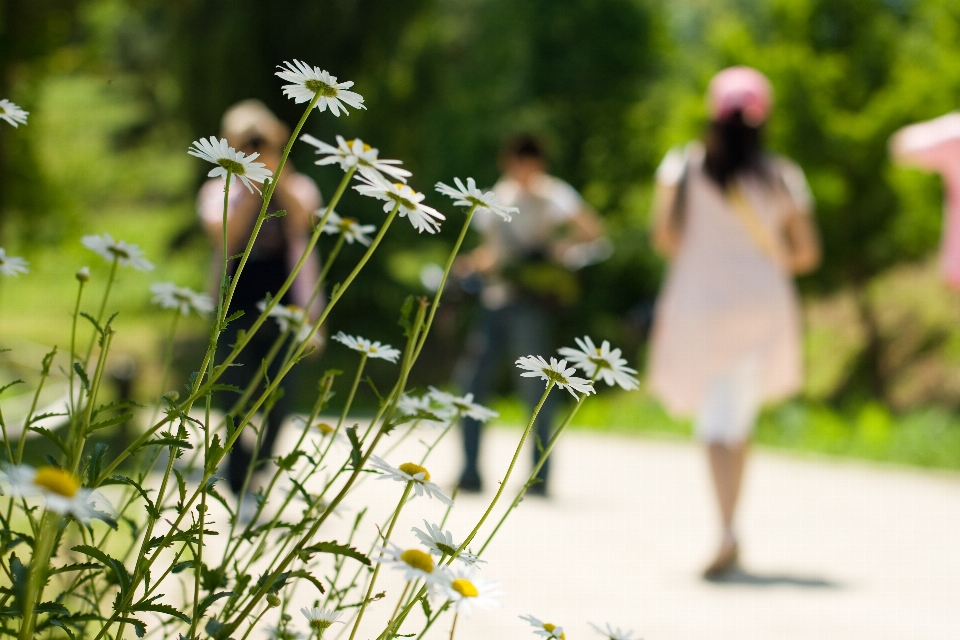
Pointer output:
x,y
229,160
555,371
308,82
320,619
11,265
545,629
12,113
415,563
127,255
372,349
409,405
590,358
422,217
469,195
290,318
613,634
466,590
356,154
411,472
440,543
60,489
350,228
462,404
170,296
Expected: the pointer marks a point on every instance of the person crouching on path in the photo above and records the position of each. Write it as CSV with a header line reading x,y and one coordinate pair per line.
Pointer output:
x,y
249,126
527,268
735,223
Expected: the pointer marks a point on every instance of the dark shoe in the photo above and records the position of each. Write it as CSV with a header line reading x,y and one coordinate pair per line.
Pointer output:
x,y
470,483
724,563
538,490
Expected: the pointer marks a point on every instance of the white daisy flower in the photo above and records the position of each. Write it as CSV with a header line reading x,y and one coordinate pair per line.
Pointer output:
x,y
555,371
372,349
356,154
411,472
545,629
127,255
590,358
409,405
422,217
308,82
320,619
465,589
415,563
613,634
462,404
229,160
350,228
170,296
12,265
470,195
290,317
12,113
60,489
440,543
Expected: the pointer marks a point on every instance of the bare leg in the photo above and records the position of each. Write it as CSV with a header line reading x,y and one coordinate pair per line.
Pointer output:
x,y
726,466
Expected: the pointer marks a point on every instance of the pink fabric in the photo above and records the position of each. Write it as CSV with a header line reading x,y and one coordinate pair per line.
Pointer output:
x,y
724,300
935,145
740,89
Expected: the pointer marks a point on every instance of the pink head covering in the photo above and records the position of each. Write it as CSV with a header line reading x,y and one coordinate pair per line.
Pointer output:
x,y
740,89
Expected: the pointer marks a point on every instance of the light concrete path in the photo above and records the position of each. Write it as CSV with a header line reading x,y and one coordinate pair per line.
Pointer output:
x,y
831,550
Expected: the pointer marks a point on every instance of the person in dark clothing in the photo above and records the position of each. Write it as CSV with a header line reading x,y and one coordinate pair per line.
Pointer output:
x,y
250,127
527,270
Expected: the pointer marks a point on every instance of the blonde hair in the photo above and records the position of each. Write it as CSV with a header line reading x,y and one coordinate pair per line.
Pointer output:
x,y
251,119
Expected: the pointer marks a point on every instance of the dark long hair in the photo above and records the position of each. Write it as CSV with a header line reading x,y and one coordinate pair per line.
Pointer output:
x,y
734,147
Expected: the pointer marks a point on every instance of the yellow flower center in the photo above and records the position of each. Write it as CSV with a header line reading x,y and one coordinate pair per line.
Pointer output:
x,y
465,588
57,481
325,429
598,351
549,626
418,560
366,147
412,469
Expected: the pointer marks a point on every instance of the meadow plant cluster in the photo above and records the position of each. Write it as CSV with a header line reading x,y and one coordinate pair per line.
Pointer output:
x,y
100,544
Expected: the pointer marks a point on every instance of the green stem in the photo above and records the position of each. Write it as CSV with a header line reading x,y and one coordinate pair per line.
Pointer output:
x,y
73,348
503,483
376,571
536,469
443,280
453,627
92,394
103,308
37,575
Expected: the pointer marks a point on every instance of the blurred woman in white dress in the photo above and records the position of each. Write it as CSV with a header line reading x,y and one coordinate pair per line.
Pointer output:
x,y
735,223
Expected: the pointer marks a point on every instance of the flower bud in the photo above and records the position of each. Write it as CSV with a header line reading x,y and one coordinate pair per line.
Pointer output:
x,y
273,600
83,275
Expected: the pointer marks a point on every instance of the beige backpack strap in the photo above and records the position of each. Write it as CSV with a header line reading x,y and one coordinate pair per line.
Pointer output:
x,y
756,230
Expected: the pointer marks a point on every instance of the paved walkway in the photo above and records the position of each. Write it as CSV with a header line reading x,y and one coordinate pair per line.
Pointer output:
x,y
832,550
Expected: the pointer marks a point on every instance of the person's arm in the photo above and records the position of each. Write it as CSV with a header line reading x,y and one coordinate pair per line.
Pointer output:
x,y
929,145
666,235
803,243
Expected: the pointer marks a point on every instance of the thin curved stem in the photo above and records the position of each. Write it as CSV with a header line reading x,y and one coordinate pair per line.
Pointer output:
x,y
376,571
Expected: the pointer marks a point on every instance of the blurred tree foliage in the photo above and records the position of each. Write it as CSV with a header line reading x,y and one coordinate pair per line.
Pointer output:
x,y
609,84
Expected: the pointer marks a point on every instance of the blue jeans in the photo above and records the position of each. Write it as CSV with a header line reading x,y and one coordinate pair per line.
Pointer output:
x,y
521,328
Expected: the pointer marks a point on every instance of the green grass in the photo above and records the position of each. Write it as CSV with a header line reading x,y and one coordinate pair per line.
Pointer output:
x,y
925,438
